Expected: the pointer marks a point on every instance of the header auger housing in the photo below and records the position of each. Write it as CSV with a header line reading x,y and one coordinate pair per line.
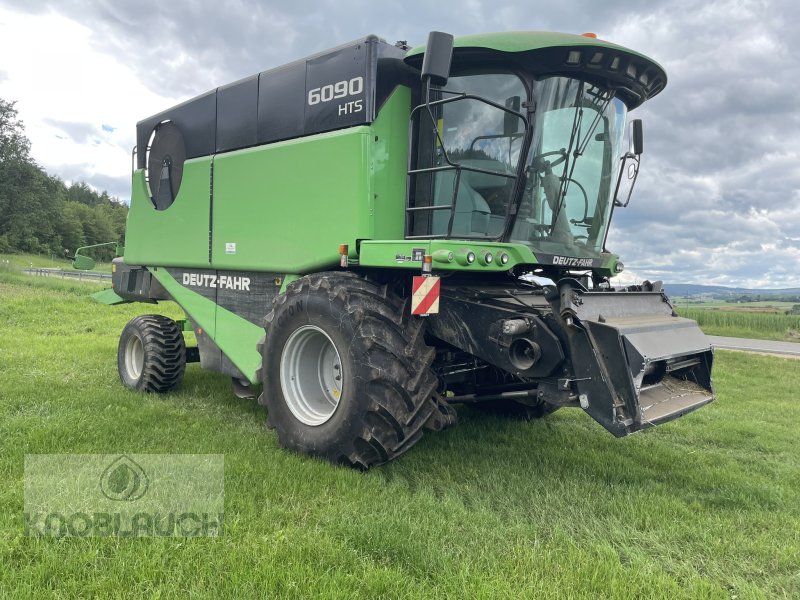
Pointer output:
x,y
364,232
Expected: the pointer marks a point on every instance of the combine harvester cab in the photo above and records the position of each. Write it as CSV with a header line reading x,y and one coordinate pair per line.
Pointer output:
x,y
375,233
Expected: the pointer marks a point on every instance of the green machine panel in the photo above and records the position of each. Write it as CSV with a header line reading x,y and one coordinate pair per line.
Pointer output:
x,y
389,140
282,207
287,206
177,236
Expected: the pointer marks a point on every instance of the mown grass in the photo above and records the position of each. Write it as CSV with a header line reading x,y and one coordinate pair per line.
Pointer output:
x,y
705,507
754,325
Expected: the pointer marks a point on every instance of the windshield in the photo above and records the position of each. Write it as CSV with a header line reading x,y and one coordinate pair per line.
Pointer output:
x,y
473,159
571,168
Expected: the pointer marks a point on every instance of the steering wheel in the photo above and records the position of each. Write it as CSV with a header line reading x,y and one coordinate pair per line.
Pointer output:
x,y
539,164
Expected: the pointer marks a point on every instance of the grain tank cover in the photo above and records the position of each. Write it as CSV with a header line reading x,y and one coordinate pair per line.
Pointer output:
x,y
338,88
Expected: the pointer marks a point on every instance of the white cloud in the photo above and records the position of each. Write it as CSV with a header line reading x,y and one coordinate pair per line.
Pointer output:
x,y
718,199
56,74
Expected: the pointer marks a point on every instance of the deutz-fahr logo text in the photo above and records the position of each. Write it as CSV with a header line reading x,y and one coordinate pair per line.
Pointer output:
x,y
569,261
222,282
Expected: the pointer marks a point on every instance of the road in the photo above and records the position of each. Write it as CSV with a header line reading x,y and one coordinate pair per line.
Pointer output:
x,y
765,346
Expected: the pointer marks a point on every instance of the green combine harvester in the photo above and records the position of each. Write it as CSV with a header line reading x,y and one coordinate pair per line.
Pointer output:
x,y
376,233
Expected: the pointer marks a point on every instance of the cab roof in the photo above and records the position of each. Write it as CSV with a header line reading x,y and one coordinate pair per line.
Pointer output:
x,y
636,77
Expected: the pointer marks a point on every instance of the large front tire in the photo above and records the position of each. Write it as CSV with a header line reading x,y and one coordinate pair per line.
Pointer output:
x,y
346,371
151,356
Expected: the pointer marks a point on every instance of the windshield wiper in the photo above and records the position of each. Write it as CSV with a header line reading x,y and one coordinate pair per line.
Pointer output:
x,y
605,98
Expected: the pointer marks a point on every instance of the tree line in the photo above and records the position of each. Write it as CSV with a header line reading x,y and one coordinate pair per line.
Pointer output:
x,y
39,213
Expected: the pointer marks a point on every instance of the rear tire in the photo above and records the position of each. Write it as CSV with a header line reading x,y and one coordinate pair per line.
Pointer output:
x,y
346,371
151,356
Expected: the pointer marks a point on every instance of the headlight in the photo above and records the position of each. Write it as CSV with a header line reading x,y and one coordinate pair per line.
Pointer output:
x,y
465,256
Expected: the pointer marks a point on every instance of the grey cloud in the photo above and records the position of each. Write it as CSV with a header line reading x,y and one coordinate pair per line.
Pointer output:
x,y
79,132
718,197
720,174
186,48
116,186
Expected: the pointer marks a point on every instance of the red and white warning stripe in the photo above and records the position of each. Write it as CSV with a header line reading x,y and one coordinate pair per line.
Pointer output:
x,y
425,295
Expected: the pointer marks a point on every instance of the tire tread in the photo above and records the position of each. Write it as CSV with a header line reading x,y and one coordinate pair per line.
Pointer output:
x,y
165,353
401,387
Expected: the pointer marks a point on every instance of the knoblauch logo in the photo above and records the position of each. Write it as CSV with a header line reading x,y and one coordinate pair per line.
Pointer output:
x,y
124,480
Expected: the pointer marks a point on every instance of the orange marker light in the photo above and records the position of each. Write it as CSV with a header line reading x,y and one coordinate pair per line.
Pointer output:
x,y
427,264
343,251
590,35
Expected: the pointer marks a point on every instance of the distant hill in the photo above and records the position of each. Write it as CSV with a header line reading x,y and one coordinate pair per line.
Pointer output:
x,y
690,289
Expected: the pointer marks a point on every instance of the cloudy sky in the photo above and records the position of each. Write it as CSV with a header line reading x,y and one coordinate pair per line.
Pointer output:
x,y
718,199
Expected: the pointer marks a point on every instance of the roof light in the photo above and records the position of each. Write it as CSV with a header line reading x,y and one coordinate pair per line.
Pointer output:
x,y
590,35
596,60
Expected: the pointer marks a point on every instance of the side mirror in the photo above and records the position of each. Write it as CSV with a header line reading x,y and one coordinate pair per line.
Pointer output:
x,y
438,56
626,180
511,122
83,263
638,136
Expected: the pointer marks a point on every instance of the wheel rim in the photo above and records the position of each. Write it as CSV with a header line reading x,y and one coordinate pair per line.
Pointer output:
x,y
311,375
134,356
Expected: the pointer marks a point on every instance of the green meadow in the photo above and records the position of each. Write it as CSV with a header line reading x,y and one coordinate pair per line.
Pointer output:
x,y
707,506
753,323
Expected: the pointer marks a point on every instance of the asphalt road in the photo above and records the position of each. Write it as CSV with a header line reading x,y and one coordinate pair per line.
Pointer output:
x,y
765,346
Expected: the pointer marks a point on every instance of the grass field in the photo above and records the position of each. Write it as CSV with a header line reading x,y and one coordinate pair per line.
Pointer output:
x,y
747,322
17,262
705,507
766,305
